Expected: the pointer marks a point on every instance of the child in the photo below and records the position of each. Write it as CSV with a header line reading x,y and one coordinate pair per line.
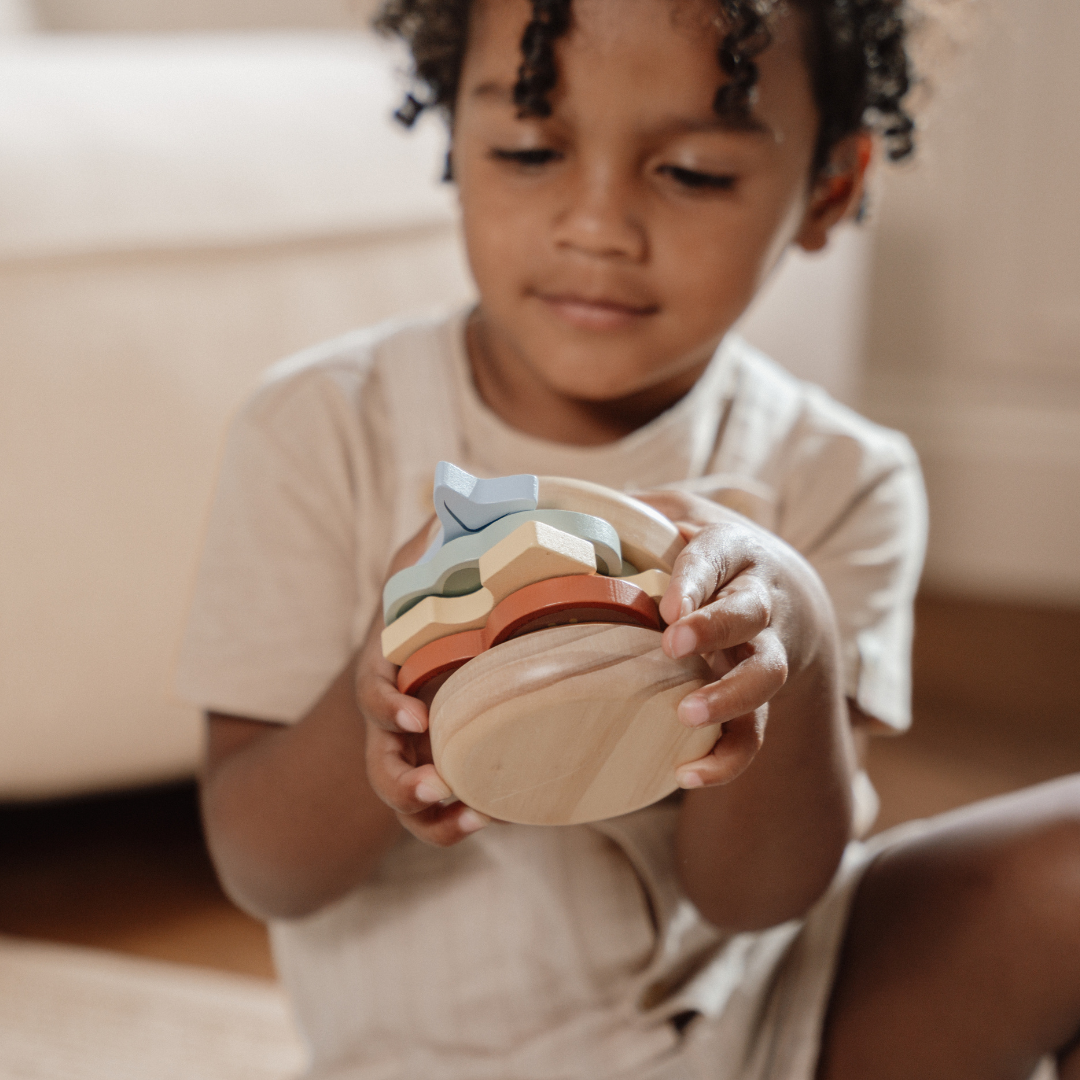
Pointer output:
x,y
629,173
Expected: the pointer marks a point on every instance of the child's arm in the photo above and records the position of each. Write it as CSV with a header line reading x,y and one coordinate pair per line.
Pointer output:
x,y
760,847
292,820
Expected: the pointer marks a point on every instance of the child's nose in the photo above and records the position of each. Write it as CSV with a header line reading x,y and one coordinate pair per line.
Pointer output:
x,y
600,217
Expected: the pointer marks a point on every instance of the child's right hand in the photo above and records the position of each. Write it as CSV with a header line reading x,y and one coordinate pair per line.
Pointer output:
x,y
398,748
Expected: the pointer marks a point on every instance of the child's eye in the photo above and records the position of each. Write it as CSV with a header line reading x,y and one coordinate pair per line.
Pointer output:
x,y
527,158
690,178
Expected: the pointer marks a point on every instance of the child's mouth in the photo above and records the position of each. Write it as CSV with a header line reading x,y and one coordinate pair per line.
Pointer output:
x,y
589,313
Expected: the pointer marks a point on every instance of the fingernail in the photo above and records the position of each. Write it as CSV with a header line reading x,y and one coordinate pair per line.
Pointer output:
x,y
682,641
689,780
408,722
686,607
470,821
693,711
430,792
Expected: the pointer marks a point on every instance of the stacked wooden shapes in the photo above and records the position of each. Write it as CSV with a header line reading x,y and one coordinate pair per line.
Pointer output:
x,y
538,648
454,569
550,602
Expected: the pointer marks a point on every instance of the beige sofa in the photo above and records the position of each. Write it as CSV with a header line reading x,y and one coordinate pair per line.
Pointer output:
x,y
177,211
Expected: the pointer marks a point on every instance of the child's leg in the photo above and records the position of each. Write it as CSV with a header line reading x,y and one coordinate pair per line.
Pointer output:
x,y
962,955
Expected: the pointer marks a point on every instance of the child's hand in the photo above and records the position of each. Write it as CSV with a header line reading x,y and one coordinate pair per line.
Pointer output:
x,y
746,602
398,748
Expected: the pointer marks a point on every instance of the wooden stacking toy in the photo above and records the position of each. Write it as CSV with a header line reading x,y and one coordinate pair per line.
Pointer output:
x,y
532,627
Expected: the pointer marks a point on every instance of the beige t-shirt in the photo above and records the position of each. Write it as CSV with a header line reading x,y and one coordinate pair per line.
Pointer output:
x,y
523,951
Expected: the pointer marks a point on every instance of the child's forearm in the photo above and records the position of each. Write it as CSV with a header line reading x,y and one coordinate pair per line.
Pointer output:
x,y
763,848
291,820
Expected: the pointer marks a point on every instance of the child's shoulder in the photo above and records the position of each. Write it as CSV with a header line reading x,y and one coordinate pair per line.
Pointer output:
x,y
796,418
346,380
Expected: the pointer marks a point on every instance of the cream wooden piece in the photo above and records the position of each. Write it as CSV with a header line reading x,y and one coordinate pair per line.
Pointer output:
x,y
433,618
567,725
534,552
649,540
653,583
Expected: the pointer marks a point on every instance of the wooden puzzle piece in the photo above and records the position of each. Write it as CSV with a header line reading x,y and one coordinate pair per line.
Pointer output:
x,y
433,618
570,599
534,552
466,504
455,568
567,725
653,583
649,540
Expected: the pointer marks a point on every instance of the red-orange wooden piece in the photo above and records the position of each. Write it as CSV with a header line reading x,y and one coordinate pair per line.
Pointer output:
x,y
554,602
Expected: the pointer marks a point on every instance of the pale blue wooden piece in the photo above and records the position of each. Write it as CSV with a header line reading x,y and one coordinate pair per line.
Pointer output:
x,y
465,504
454,569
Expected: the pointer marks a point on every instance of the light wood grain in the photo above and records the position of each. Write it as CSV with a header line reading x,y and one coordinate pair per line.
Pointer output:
x,y
649,540
567,725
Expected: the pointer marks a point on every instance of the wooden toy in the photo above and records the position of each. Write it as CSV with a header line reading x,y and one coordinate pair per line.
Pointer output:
x,y
567,725
532,552
649,541
454,570
551,700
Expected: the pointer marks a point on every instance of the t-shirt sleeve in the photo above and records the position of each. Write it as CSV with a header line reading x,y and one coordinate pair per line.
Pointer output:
x,y
273,617
861,522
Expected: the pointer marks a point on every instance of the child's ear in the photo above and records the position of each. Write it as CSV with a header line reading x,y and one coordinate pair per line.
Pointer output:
x,y
838,190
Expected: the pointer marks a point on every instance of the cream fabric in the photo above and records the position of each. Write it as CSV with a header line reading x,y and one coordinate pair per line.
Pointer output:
x,y
84,1014
16,17
115,143
529,952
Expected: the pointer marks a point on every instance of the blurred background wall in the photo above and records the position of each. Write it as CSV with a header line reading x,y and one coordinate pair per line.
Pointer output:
x,y
974,327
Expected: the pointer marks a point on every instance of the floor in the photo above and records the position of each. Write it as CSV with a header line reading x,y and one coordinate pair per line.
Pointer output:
x,y
997,702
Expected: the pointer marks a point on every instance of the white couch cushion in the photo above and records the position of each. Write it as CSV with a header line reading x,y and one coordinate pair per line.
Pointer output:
x,y
126,142
16,17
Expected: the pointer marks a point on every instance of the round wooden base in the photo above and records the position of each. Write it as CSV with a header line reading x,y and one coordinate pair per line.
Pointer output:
x,y
567,725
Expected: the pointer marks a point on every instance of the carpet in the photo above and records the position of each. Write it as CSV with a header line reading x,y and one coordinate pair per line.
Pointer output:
x,y
71,1013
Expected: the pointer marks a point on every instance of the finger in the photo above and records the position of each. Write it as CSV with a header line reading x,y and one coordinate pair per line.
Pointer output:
x,y
377,695
741,611
739,742
757,677
708,562
445,826
400,774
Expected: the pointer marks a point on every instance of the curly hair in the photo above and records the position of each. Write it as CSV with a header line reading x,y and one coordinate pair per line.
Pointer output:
x,y
856,51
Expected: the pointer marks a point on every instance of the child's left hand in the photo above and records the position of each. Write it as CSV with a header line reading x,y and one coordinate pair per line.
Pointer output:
x,y
733,599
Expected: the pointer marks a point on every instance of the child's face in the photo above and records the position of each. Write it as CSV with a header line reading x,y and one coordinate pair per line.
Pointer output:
x,y
615,242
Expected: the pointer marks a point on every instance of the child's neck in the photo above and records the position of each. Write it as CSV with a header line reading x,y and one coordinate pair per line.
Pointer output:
x,y
525,402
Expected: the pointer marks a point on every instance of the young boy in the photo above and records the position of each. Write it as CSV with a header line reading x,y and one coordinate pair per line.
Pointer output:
x,y
629,172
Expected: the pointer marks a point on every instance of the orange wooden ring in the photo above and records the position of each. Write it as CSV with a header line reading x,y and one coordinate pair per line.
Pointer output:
x,y
579,598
